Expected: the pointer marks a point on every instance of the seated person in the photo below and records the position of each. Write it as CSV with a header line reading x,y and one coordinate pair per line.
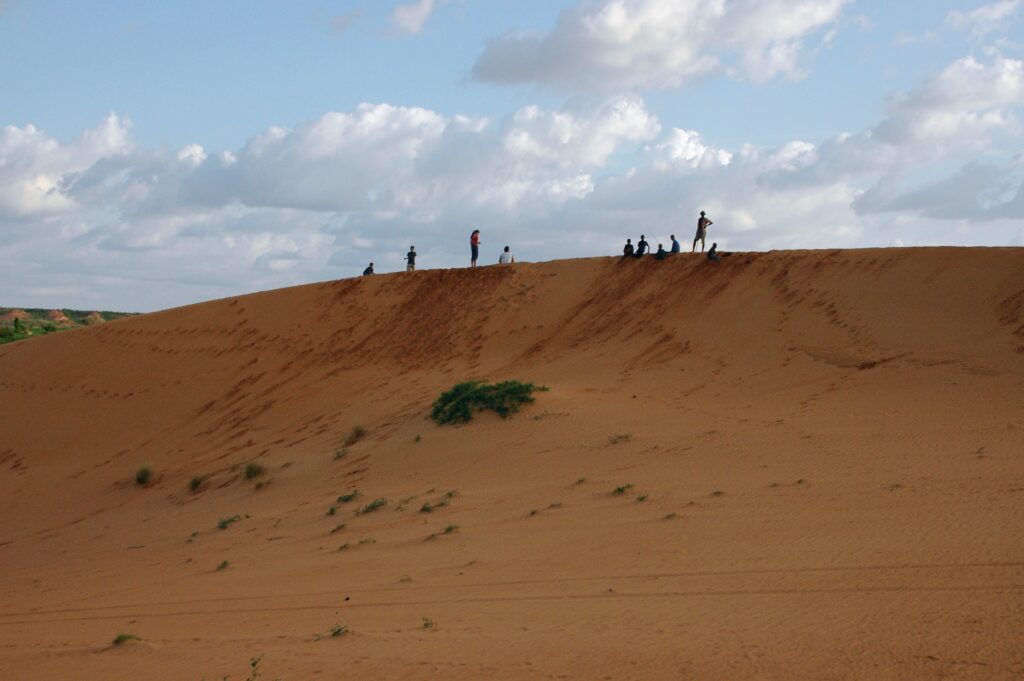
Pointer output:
x,y
661,254
627,250
713,253
368,271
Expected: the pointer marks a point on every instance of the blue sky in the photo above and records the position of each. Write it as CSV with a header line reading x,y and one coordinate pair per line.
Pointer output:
x,y
146,144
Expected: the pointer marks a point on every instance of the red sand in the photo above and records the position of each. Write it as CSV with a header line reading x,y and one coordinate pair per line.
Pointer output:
x,y
829,445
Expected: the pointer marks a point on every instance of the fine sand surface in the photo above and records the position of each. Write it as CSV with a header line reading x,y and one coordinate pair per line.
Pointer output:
x,y
829,446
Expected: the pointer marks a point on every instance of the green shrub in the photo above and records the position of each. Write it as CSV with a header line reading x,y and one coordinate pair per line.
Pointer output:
x,y
348,496
372,506
123,638
338,630
143,476
458,404
253,470
223,566
195,483
225,523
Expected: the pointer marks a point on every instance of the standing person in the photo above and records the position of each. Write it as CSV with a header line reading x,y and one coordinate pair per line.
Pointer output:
x,y
410,259
641,247
368,271
675,245
506,257
627,250
702,231
474,247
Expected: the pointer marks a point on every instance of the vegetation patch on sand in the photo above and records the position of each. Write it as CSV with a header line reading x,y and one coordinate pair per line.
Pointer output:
x,y
460,403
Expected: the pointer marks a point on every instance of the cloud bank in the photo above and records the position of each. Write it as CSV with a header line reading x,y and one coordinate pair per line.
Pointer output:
x,y
322,199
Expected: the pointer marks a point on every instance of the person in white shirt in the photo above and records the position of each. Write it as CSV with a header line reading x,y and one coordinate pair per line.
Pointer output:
x,y
506,258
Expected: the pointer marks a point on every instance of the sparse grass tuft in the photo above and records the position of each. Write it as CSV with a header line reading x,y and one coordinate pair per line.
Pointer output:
x,y
332,510
418,438
373,506
340,453
458,404
123,638
338,528
368,540
196,482
143,476
223,566
622,489
428,623
225,523
581,481
355,435
556,504
253,470
672,516
343,547
533,512
718,493
620,437
427,507
405,579
641,498
451,529
338,630
348,496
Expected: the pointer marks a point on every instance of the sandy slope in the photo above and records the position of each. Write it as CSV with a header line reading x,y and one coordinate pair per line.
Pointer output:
x,y
829,443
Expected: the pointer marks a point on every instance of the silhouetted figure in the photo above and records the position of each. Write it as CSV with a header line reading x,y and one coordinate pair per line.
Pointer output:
x,y
702,231
641,247
675,245
506,257
713,253
368,271
661,254
410,259
474,247
627,250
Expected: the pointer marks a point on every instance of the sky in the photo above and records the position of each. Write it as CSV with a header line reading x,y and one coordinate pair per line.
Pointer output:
x,y
157,153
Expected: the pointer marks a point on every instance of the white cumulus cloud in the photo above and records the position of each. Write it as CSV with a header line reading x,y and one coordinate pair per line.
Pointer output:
x,y
660,44
412,17
985,19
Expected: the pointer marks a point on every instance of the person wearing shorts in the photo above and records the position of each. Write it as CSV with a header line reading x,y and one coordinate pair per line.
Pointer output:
x,y
474,247
410,259
702,231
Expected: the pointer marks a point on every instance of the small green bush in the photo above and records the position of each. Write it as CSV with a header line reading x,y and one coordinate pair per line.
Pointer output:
x,y
348,496
338,630
505,398
223,566
143,476
372,506
225,523
196,482
123,638
253,470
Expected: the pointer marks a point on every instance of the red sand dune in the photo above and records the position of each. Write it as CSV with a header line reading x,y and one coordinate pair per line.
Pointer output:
x,y
828,445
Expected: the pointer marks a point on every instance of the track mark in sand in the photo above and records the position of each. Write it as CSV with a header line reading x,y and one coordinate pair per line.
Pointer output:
x,y
557,581
602,595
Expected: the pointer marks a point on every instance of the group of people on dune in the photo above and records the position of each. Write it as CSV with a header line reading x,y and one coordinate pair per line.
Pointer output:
x,y
629,251
642,248
506,257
